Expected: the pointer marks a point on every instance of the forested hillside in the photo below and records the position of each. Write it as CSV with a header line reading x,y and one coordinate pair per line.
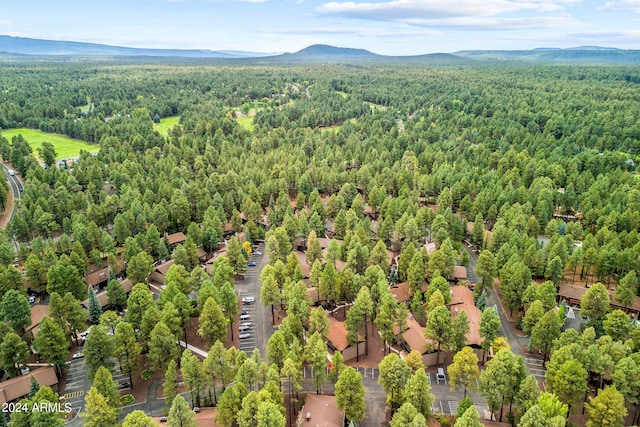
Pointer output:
x,y
534,166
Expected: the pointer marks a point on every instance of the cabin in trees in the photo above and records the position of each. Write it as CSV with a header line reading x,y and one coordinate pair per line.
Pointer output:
x,y
459,273
208,265
573,296
175,239
337,341
414,339
103,299
461,300
16,388
320,410
160,271
38,313
402,292
98,279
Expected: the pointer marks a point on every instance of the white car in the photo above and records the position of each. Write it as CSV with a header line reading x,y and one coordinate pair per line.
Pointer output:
x,y
245,317
248,300
77,355
32,299
244,336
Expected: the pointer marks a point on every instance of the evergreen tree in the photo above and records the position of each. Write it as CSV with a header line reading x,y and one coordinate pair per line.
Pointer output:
x,y
107,387
464,372
350,394
95,311
98,412
170,385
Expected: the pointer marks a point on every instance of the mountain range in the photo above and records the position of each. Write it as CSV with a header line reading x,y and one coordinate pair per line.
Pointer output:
x,y
15,47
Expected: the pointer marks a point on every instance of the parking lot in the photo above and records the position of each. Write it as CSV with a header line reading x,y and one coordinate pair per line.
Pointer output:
x,y
247,334
260,329
77,384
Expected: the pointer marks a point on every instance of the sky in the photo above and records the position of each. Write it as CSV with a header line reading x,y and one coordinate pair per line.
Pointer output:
x,y
387,27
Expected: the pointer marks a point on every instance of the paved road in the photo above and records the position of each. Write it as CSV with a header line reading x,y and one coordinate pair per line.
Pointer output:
x,y
260,315
533,363
16,187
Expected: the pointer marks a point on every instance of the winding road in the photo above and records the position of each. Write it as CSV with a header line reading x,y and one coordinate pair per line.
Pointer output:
x,y
16,187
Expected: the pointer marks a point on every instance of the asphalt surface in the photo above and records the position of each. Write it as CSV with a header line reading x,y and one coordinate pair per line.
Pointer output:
x,y
260,315
16,188
533,362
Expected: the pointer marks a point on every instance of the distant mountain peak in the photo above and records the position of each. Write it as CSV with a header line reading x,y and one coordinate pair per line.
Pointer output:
x,y
333,51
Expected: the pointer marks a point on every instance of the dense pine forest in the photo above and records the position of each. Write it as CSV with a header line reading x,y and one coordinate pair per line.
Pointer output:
x,y
530,167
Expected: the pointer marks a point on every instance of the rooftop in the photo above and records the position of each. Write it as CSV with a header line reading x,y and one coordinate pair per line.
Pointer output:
x,y
175,238
462,299
322,411
17,387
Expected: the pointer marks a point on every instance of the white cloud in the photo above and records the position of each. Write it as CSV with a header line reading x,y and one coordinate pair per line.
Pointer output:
x,y
461,14
498,24
407,9
342,30
608,36
621,6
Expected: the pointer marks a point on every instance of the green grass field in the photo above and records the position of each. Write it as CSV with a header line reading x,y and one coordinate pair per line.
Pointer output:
x,y
166,124
65,147
246,122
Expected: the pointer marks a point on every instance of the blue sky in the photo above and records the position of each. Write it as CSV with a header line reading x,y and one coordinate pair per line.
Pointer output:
x,y
390,27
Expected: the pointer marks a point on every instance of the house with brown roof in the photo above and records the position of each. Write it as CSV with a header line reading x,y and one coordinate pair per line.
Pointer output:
x,y
18,387
102,297
462,300
459,273
38,313
320,410
401,292
160,271
98,279
175,239
573,296
337,340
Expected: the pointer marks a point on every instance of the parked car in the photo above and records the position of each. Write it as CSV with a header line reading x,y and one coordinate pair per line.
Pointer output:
x,y
32,299
252,264
78,355
248,300
258,253
245,317
244,336
244,328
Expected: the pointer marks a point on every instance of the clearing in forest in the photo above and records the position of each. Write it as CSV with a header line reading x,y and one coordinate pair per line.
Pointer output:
x,y
166,124
65,147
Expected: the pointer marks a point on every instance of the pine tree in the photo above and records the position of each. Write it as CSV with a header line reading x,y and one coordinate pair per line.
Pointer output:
x,y
350,394
98,412
170,385
180,415
95,311
34,386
